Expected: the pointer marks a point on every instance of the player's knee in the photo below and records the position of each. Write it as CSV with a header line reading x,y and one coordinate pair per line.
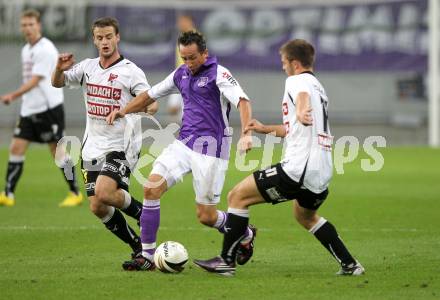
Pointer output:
x,y
303,222
16,150
152,193
102,195
235,197
97,208
232,196
206,218
94,208
306,220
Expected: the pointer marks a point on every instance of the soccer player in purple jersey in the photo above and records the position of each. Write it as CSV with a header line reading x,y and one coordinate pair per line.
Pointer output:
x,y
202,148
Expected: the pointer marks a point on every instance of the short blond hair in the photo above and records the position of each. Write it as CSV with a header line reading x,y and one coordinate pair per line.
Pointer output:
x,y
31,13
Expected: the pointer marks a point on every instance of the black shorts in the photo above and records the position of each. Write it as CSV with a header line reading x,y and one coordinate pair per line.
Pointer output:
x,y
113,165
276,186
45,127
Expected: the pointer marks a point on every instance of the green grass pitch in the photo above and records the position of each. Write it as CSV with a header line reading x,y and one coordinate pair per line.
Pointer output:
x,y
390,220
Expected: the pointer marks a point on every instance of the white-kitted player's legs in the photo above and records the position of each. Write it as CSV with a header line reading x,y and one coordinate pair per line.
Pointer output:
x,y
14,170
67,167
325,232
107,182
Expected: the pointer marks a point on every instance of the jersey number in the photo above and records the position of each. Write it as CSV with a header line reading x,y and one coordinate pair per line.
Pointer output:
x,y
325,115
285,109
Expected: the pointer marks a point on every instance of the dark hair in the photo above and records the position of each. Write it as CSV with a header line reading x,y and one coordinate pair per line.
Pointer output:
x,y
31,13
193,37
105,22
299,50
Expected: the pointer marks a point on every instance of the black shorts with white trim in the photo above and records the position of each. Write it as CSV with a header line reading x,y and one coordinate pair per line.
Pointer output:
x,y
114,165
45,127
276,187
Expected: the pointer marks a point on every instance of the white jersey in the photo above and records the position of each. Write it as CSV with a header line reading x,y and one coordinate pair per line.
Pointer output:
x,y
105,90
308,148
40,60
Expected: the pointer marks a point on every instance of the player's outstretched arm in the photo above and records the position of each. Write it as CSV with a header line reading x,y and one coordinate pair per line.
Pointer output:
x,y
64,63
257,126
24,88
245,109
139,103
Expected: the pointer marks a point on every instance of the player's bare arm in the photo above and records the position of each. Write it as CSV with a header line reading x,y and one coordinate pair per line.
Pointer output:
x,y
139,103
257,126
24,88
152,108
303,109
245,109
64,63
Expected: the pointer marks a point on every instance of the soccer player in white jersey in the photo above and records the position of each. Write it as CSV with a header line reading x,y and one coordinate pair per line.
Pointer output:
x,y
208,90
108,154
42,113
304,173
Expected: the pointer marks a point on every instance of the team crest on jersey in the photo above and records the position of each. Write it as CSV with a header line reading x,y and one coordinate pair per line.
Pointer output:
x,y
112,77
117,94
203,81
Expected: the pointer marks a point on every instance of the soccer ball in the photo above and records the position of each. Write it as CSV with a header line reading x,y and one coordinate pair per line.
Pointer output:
x,y
170,257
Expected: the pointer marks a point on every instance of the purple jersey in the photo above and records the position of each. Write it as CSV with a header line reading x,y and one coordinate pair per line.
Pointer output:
x,y
207,97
